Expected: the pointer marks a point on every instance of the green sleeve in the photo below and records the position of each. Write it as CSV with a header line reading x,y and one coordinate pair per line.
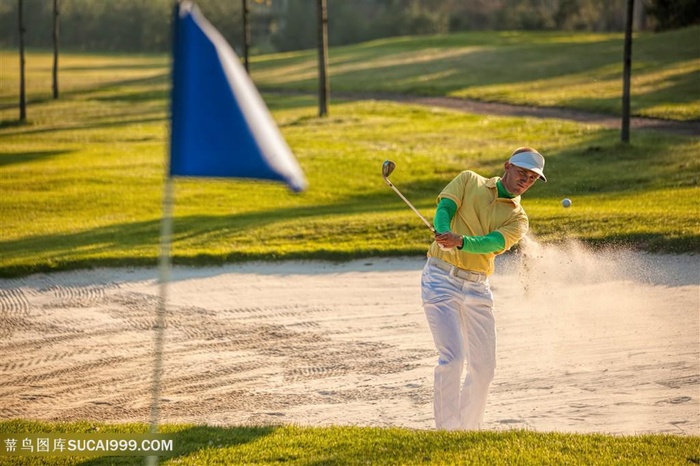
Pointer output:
x,y
446,210
493,242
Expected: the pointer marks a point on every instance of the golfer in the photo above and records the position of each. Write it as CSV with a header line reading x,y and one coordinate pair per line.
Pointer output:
x,y
476,219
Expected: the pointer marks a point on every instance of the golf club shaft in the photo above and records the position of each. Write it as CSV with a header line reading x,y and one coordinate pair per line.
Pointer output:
x,y
410,205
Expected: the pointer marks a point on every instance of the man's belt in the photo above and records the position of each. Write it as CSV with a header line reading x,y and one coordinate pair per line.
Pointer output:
x,y
457,272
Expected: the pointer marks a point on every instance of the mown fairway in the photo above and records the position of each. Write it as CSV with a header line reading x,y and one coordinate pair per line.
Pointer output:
x,y
81,182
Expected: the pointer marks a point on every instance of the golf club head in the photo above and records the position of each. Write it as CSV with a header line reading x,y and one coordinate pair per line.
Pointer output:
x,y
387,167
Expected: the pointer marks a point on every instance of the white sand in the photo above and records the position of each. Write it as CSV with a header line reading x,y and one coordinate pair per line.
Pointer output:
x,y
605,342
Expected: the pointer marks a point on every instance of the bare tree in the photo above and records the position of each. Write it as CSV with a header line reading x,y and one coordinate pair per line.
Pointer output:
x,y
246,35
22,95
626,74
55,49
324,85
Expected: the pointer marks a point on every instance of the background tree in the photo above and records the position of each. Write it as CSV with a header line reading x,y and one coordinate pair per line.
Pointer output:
x,y
22,96
626,73
54,79
672,14
246,33
323,79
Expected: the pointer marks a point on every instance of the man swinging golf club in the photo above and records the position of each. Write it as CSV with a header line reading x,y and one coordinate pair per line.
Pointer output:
x,y
476,219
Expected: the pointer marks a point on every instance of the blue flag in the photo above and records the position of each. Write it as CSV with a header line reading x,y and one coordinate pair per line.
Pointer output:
x,y
220,125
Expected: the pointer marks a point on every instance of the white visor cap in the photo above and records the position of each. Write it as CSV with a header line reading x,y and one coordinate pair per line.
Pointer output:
x,y
532,161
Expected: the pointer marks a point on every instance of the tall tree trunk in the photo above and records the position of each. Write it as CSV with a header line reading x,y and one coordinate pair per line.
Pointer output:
x,y
324,85
22,96
627,73
55,49
639,23
246,35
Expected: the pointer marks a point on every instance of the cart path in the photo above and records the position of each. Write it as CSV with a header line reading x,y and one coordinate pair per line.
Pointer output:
x,y
682,128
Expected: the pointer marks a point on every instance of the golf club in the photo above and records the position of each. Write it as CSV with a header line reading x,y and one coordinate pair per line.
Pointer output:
x,y
387,168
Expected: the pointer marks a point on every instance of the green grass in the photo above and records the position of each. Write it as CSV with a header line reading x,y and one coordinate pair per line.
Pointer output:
x,y
206,445
548,69
81,181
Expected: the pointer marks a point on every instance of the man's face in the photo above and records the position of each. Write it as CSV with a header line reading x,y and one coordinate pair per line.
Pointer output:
x,y
517,180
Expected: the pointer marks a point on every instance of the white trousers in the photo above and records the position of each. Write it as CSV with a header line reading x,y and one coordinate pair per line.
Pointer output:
x,y
460,317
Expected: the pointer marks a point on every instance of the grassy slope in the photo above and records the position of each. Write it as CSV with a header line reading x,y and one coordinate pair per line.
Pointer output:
x,y
582,70
202,445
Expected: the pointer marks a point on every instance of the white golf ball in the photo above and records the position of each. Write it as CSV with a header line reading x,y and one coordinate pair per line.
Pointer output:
x,y
566,202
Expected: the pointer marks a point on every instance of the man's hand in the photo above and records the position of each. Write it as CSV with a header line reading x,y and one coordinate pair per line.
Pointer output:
x,y
448,240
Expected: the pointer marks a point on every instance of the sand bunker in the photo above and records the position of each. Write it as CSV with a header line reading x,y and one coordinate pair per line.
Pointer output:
x,y
606,342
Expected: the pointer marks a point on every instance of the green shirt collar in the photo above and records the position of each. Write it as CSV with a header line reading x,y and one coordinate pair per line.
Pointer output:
x,y
502,191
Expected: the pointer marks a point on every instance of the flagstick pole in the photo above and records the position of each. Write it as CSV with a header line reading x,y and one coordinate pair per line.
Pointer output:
x,y
164,265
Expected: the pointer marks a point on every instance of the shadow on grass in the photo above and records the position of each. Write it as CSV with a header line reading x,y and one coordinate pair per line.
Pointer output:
x,y
102,246
101,67
404,68
11,123
192,440
136,97
12,158
186,439
113,122
87,92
